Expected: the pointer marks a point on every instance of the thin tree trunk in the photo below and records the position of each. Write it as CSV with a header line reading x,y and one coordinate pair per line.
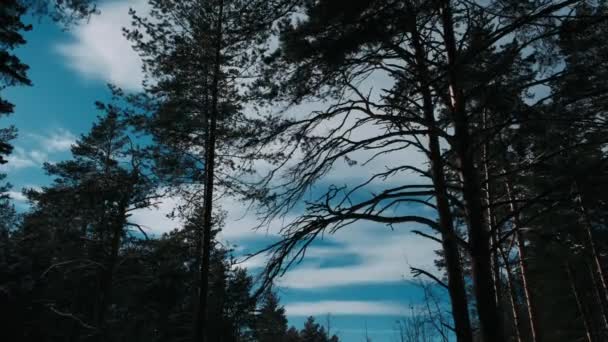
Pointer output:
x,y
491,219
517,326
108,274
597,295
579,305
201,333
452,258
76,304
479,235
197,267
593,250
535,332
199,223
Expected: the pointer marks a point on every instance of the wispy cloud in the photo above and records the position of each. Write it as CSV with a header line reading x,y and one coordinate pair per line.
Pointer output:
x,y
60,140
335,307
99,50
374,254
155,220
20,159
362,253
42,148
359,254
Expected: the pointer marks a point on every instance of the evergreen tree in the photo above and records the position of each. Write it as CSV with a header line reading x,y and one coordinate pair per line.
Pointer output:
x,y
86,212
292,335
313,332
196,55
12,71
271,323
463,87
78,240
505,100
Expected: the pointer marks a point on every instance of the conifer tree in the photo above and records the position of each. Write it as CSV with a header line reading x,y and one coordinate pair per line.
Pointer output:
x,y
197,54
12,71
271,323
91,199
337,47
314,332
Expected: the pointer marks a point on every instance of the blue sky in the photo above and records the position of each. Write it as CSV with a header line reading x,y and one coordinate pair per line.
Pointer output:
x,y
360,275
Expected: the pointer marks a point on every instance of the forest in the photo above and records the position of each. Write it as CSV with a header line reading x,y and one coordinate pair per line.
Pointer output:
x,y
480,127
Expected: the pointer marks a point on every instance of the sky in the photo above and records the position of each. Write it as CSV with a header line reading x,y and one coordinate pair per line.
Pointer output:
x,y
360,276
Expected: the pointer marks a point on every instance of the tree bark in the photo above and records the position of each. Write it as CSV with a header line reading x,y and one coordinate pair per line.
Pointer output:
x,y
201,333
579,305
535,332
517,326
491,219
592,249
108,272
452,258
600,303
479,235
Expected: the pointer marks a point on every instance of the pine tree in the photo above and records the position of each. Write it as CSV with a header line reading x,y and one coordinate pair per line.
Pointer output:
x,y
12,71
271,322
196,54
314,332
292,335
90,201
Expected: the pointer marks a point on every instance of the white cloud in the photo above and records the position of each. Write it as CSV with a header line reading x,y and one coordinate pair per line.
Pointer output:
x,y
241,222
99,50
251,263
351,128
19,159
155,220
22,159
375,254
17,196
369,308
60,140
57,141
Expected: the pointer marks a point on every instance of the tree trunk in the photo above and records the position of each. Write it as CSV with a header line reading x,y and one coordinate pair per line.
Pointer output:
x,y
579,305
596,293
198,231
517,328
201,332
108,273
479,235
491,219
535,332
592,249
456,285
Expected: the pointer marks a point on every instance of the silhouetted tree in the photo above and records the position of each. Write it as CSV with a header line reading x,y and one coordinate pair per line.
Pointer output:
x,y
12,71
196,55
271,322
